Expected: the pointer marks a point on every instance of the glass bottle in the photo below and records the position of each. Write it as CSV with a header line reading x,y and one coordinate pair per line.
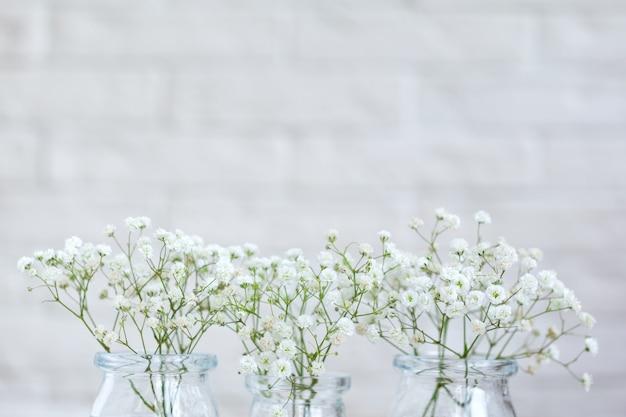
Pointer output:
x,y
319,396
432,386
154,386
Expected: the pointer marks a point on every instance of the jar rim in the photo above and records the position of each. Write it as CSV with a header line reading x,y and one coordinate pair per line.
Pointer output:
x,y
133,363
476,366
331,381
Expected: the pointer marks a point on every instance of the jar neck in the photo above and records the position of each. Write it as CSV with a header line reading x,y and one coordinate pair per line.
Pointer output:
x,y
308,390
475,368
130,364
154,385
434,386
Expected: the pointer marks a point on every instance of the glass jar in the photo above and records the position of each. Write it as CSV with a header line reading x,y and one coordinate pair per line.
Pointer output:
x,y
298,396
154,386
444,387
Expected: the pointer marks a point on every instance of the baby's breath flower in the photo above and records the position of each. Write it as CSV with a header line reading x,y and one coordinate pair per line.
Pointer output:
x,y
144,246
421,283
345,326
280,368
46,255
536,254
73,245
267,343
475,299
441,213
553,352
416,223
166,237
282,330
365,249
591,346
247,365
571,300
54,276
245,333
365,281
236,252
293,253
455,309
337,339
317,368
265,360
398,338
373,333
450,221
526,325
25,263
305,321
587,381
586,319
328,276
504,256
482,217
104,336
384,236
250,249
417,339
109,230
546,279
137,223
103,250
408,298
121,303
458,245
224,270
527,263
496,294
529,284
325,259
531,368
502,313
448,293
422,262
461,283
523,298
331,235
286,349
479,327
424,302
361,328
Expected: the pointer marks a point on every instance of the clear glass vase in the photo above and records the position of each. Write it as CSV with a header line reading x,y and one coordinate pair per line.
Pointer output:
x,y
155,386
443,387
298,396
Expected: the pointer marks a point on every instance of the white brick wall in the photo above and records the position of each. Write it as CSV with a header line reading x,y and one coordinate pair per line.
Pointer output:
x,y
273,121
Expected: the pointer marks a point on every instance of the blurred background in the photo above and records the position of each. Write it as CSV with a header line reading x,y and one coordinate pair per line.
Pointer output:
x,y
272,121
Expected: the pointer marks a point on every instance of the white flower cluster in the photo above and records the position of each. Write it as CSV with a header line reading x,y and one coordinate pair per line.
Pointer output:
x,y
492,295
291,322
167,288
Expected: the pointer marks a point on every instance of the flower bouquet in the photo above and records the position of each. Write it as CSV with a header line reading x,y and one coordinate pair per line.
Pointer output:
x,y
290,321
480,308
161,294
